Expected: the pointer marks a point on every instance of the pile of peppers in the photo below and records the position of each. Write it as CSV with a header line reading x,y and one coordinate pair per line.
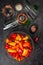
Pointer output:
x,y
18,46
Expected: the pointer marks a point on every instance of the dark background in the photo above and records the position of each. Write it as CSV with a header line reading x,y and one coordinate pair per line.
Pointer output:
x,y
37,56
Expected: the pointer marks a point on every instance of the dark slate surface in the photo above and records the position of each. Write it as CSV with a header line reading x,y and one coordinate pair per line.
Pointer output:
x,y
37,56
